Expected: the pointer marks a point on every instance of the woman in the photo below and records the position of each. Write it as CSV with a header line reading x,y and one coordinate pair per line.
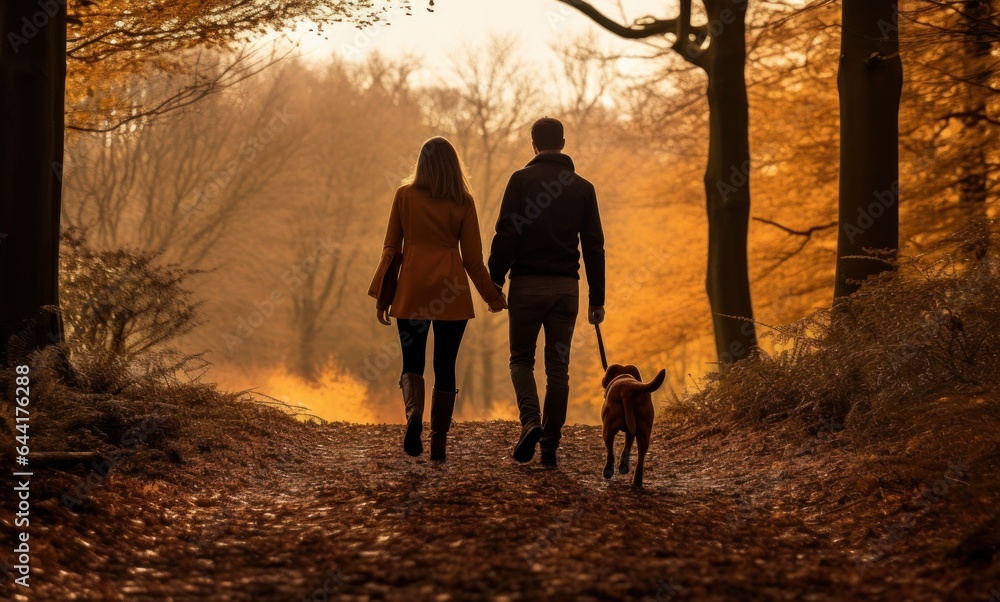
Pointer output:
x,y
433,212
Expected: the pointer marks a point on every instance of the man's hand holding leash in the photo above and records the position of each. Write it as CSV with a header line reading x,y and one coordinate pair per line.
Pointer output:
x,y
595,314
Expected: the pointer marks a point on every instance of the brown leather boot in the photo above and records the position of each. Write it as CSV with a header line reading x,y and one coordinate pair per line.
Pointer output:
x,y
413,398
442,407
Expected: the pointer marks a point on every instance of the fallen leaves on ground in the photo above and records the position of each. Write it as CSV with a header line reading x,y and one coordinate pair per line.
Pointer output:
x,y
340,513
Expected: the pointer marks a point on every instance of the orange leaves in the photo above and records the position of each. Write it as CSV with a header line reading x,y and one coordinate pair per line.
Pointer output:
x,y
107,45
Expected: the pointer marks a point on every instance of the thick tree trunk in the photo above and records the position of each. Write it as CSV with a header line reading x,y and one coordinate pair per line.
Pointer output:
x,y
973,169
32,85
870,81
727,178
727,183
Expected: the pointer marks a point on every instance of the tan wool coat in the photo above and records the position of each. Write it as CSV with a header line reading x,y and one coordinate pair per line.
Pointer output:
x,y
434,276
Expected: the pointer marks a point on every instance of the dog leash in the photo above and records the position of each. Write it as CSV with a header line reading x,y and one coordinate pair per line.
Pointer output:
x,y
600,346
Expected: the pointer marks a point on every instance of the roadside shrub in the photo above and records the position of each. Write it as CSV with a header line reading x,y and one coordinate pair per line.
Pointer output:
x,y
909,362
131,394
122,313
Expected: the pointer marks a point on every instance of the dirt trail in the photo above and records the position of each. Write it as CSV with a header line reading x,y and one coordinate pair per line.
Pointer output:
x,y
344,515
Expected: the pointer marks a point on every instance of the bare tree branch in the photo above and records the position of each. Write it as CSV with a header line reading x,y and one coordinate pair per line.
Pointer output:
x,y
806,237
808,232
244,65
642,28
689,41
690,48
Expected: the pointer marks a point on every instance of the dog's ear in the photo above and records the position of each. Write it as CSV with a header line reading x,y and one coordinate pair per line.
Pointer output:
x,y
614,371
633,371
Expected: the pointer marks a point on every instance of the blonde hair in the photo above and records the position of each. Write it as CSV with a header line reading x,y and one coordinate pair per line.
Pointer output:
x,y
440,172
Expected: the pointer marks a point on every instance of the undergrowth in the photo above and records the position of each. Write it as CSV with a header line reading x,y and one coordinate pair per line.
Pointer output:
x,y
906,368
127,391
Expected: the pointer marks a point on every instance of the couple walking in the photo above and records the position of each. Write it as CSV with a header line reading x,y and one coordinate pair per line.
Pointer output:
x,y
432,242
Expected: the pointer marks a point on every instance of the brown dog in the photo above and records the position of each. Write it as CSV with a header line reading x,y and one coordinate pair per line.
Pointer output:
x,y
628,406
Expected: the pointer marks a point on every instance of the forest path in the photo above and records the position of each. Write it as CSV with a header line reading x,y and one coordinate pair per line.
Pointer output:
x,y
347,516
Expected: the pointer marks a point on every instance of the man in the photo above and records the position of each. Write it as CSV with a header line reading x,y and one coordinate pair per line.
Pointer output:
x,y
548,212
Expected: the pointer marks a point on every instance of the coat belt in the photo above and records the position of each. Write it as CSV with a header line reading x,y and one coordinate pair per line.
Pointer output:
x,y
431,244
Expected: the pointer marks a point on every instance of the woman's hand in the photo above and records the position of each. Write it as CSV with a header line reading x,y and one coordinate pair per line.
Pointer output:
x,y
499,305
383,316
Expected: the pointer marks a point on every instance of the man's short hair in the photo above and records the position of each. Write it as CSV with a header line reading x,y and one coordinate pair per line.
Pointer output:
x,y
547,134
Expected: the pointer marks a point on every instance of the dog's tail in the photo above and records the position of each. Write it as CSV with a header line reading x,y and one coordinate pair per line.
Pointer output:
x,y
641,387
654,384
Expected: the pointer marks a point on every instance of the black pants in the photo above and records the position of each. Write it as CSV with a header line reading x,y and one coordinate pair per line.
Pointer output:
x,y
447,340
552,303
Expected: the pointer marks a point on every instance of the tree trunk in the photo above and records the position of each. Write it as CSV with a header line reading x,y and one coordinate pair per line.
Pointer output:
x,y
468,390
492,323
870,82
727,177
727,183
307,367
32,86
973,168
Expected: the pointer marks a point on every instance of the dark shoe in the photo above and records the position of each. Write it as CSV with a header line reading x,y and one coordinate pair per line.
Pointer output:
x,y
442,408
549,458
525,449
413,398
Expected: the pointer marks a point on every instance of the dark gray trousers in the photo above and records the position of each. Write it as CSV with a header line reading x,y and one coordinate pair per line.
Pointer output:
x,y
535,303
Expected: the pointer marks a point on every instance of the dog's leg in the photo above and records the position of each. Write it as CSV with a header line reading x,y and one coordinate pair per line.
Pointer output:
x,y
642,439
623,465
609,441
